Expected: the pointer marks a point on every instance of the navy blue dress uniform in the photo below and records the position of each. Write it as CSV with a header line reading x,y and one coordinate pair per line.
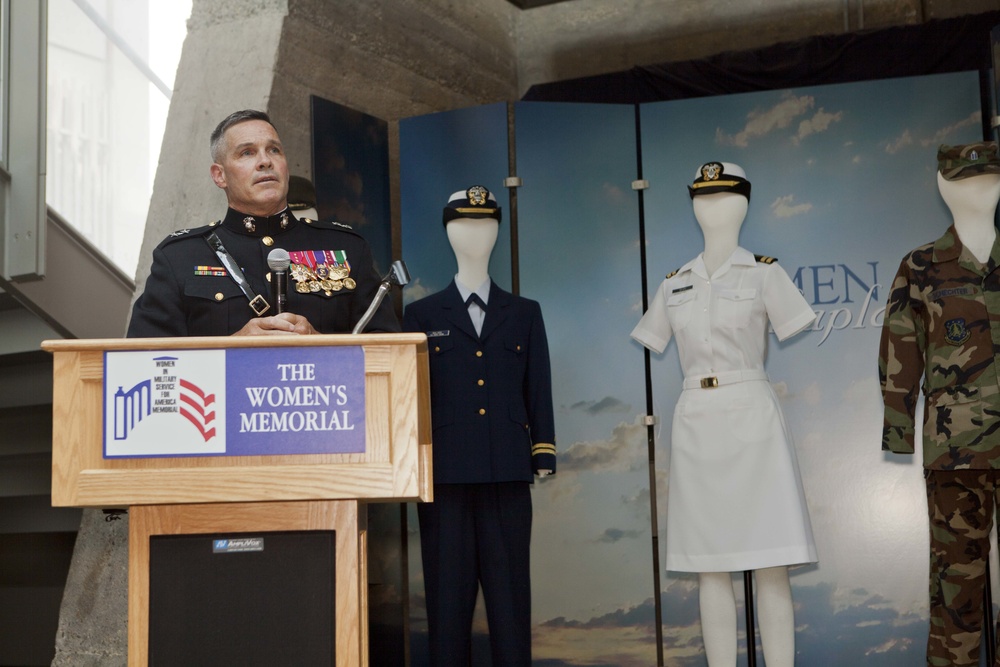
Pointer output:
x,y
190,292
493,429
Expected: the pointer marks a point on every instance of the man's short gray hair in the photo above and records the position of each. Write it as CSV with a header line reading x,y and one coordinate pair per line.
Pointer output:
x,y
234,118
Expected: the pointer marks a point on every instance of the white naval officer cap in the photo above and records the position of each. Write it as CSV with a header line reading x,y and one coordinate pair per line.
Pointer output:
x,y
713,177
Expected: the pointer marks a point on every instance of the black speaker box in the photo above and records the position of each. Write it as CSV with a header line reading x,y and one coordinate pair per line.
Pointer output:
x,y
244,599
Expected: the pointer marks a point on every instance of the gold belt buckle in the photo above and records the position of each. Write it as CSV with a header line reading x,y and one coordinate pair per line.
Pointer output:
x,y
710,382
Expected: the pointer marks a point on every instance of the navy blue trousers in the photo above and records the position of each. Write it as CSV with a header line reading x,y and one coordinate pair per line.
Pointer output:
x,y
472,535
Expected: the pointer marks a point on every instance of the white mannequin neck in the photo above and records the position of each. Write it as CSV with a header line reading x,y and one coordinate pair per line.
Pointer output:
x,y
472,240
973,204
720,216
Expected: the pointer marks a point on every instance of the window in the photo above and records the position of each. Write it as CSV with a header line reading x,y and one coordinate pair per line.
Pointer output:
x,y
109,88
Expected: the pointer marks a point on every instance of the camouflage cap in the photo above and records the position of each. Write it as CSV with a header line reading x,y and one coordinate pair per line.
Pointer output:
x,y
958,162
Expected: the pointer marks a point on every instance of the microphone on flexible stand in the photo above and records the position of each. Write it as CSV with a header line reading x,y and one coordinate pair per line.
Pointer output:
x,y
399,276
278,261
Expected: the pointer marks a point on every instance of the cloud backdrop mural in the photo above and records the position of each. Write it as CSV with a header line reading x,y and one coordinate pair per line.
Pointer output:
x,y
842,189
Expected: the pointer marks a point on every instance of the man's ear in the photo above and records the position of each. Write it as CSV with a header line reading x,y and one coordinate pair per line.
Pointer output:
x,y
218,175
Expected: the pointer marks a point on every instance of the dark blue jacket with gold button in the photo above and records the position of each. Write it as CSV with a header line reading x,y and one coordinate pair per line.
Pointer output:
x,y
491,394
190,292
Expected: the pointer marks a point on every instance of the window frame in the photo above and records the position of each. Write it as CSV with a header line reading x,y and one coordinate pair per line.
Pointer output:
x,y
23,214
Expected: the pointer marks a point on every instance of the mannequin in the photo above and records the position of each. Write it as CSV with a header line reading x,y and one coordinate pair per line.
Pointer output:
x,y
721,217
472,241
491,410
938,336
973,205
727,296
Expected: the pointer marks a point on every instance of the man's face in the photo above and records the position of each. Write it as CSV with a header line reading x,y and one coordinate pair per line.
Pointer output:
x,y
252,169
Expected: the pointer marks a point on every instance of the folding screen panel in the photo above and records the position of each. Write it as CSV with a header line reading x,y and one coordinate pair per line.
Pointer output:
x,y
351,173
592,564
840,193
438,155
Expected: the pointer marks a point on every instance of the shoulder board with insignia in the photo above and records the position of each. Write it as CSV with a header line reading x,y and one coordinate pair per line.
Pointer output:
x,y
325,224
329,224
187,233
764,259
673,273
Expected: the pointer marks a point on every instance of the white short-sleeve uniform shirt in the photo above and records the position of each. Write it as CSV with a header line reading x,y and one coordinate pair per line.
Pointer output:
x,y
734,496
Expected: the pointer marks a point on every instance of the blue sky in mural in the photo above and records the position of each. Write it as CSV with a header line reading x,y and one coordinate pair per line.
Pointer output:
x,y
578,228
843,186
441,154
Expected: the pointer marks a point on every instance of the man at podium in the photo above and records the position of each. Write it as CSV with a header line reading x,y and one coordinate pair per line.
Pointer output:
x,y
215,280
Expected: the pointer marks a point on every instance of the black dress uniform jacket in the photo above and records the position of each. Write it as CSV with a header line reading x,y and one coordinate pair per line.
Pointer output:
x,y
188,294
491,394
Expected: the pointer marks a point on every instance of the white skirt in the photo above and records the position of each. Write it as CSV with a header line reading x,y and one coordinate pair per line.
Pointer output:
x,y
734,495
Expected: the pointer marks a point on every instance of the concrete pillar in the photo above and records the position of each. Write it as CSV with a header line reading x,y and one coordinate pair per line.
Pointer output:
x,y
93,618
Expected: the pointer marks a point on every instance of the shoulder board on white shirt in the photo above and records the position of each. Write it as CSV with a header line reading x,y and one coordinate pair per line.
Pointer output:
x,y
764,259
673,273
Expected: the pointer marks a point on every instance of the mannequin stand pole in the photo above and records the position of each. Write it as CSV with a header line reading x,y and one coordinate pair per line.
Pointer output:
x,y
748,609
989,633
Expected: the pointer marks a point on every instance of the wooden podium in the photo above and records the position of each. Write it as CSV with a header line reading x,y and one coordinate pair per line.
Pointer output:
x,y
240,494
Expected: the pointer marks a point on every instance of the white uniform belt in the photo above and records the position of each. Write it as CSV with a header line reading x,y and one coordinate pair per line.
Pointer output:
x,y
719,379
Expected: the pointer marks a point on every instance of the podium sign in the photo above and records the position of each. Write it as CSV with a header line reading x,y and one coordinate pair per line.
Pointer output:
x,y
238,402
390,460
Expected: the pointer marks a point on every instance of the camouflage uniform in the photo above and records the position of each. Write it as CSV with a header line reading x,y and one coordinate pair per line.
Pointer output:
x,y
942,329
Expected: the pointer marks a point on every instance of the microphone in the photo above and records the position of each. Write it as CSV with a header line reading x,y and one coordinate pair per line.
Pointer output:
x,y
278,261
399,276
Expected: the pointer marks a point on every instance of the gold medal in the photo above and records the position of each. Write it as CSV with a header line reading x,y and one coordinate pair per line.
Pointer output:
x,y
349,283
314,286
336,285
302,288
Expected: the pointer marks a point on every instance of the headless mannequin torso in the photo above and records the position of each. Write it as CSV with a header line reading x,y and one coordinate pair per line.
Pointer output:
x,y
973,203
720,216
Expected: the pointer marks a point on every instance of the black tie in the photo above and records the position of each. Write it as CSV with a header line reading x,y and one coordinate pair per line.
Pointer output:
x,y
476,299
